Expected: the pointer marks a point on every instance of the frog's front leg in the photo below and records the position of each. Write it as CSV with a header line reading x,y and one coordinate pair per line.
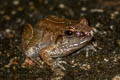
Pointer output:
x,y
87,49
44,54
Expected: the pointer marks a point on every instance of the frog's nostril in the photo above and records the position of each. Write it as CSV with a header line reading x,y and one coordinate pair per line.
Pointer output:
x,y
81,34
89,33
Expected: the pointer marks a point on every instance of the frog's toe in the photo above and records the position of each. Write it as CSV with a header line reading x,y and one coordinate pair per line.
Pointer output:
x,y
88,48
58,63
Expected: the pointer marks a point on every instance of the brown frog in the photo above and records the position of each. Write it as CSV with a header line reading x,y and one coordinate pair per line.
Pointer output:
x,y
55,37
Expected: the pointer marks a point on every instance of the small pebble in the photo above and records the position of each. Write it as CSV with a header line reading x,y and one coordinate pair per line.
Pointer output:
x,y
62,6
16,2
83,8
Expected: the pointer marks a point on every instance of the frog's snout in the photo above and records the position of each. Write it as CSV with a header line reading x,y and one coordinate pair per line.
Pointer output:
x,y
90,33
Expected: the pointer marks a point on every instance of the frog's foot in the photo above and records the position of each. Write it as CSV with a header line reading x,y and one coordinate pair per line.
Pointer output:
x,y
31,61
57,63
87,49
28,63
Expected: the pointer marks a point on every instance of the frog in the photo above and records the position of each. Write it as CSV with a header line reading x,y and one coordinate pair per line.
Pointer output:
x,y
54,37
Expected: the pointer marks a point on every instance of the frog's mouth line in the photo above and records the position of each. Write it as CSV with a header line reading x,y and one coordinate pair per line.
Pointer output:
x,y
80,43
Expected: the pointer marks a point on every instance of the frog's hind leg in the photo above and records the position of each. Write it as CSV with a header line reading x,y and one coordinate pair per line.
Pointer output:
x,y
27,35
30,62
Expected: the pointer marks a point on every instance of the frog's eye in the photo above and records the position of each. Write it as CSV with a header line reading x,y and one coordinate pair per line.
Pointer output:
x,y
69,32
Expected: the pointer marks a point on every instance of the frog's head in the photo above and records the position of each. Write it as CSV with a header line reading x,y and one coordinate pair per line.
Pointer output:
x,y
75,36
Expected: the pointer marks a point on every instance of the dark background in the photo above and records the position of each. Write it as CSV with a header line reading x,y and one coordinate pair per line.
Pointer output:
x,y
103,16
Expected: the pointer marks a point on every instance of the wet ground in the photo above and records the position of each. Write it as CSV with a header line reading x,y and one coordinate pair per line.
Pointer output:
x,y
103,16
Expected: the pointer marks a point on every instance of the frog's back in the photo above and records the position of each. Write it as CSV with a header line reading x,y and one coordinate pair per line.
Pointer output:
x,y
53,22
44,33
51,27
